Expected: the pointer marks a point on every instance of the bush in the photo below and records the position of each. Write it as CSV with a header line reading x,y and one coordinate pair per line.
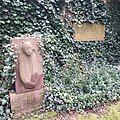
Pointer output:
x,y
79,87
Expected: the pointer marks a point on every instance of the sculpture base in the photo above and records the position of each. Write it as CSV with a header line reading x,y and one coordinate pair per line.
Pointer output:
x,y
25,102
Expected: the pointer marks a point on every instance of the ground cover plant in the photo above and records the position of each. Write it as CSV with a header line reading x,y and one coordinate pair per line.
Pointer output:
x,y
79,88
45,18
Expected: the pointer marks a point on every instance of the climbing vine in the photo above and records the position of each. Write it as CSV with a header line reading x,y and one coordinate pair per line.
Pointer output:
x,y
49,19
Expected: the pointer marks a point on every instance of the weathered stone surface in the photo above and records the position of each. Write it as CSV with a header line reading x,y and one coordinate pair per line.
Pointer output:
x,y
29,70
89,32
25,102
104,1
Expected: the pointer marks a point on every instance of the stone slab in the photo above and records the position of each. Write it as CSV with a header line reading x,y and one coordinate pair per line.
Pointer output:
x,y
89,32
16,44
25,102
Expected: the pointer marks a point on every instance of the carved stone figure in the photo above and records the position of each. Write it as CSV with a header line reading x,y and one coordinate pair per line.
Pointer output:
x,y
29,67
29,70
29,78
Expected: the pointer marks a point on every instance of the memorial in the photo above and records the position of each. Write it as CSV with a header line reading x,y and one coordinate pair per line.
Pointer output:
x,y
89,32
29,80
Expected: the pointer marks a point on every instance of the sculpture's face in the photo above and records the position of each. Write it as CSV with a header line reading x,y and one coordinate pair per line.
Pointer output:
x,y
27,48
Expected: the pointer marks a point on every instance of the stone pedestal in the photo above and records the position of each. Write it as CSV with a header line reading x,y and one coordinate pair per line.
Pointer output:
x,y
25,102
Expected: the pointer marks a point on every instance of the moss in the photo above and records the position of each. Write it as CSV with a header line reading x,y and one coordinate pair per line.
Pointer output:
x,y
43,116
113,113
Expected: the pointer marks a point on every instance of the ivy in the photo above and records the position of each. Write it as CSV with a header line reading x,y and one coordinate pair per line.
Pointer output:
x,y
91,11
111,44
77,87
47,18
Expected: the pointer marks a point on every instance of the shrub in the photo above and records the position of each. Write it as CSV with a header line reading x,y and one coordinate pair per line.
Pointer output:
x,y
79,87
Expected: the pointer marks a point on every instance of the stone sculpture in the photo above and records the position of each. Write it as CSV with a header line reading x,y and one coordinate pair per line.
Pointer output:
x,y
29,78
28,65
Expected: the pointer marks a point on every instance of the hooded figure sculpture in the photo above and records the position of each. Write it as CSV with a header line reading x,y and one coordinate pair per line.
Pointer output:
x,y
30,72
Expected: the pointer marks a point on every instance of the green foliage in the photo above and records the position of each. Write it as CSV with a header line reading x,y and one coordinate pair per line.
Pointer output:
x,y
87,11
4,108
78,86
112,42
19,17
7,79
44,17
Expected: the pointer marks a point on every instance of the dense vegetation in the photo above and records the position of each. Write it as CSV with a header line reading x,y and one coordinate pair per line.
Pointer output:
x,y
47,19
112,49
